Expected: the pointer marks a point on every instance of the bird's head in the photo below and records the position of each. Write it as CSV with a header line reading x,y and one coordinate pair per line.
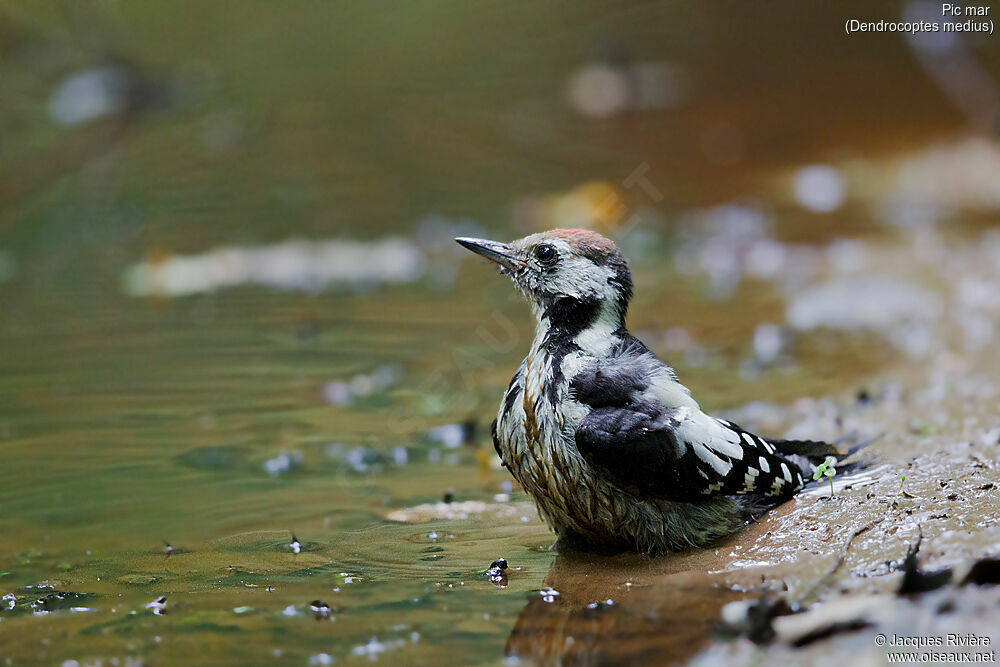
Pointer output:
x,y
567,274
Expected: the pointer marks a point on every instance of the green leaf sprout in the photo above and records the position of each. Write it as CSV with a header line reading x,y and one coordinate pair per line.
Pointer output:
x,y
826,469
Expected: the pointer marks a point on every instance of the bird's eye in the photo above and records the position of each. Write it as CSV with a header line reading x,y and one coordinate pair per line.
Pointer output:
x,y
546,254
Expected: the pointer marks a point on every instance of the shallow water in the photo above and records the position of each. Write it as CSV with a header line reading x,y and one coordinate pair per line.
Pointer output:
x,y
220,423
133,424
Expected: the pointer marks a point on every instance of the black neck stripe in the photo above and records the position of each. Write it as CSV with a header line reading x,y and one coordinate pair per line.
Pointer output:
x,y
568,316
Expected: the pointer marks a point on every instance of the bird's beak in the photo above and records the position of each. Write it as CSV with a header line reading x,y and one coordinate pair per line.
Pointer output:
x,y
492,250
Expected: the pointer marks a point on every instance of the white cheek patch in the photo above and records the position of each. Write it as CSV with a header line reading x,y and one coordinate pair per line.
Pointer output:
x,y
579,277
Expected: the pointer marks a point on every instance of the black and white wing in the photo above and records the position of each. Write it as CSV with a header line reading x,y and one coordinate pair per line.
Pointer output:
x,y
683,454
663,448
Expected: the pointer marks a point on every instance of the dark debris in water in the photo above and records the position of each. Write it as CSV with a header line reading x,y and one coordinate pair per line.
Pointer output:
x,y
917,581
172,550
498,572
754,619
766,621
836,628
320,610
158,606
59,601
984,572
597,607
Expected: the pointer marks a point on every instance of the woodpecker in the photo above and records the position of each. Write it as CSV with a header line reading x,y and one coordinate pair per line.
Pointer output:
x,y
611,447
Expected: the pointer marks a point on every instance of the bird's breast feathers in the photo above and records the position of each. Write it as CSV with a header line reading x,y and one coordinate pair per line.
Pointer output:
x,y
551,394
627,417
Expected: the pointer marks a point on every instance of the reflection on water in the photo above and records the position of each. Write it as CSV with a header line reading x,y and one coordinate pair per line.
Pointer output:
x,y
625,609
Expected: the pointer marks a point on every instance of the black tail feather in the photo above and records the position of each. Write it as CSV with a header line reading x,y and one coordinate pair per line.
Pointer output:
x,y
811,449
818,450
806,452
